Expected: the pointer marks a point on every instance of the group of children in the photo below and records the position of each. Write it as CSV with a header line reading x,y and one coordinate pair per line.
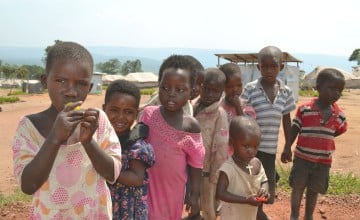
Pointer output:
x,y
207,142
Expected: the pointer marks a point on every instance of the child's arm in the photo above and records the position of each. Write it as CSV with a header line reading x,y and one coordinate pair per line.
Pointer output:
x,y
226,196
236,102
103,163
286,122
219,145
195,179
134,176
286,155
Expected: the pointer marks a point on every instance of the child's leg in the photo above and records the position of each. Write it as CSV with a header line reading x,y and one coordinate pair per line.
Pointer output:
x,y
298,181
296,196
207,198
318,183
311,198
268,162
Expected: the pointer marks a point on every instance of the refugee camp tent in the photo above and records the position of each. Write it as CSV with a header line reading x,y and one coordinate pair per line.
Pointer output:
x,y
143,79
356,71
249,72
10,83
309,80
108,78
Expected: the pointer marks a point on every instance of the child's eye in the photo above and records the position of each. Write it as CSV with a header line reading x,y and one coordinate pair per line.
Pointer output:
x,y
60,80
83,83
129,112
180,90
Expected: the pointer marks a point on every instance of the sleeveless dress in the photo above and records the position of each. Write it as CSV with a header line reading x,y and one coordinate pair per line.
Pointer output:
x,y
174,149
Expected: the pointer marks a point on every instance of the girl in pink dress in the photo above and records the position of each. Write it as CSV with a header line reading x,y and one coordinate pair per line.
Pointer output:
x,y
176,139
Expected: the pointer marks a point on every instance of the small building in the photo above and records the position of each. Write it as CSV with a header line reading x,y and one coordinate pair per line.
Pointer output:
x,y
32,86
96,80
249,72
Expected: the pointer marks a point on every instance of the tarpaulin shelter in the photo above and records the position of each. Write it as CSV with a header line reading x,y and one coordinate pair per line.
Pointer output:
x,y
248,61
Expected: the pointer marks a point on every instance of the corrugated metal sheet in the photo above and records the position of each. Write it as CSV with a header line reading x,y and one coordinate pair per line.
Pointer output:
x,y
253,57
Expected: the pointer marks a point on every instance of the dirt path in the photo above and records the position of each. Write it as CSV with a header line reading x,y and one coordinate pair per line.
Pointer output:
x,y
346,158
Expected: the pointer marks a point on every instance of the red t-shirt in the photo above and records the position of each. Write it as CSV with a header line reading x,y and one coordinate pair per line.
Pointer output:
x,y
316,138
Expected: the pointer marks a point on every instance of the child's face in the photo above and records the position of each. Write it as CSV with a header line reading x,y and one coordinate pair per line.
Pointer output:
x,y
174,89
245,146
68,81
122,111
197,88
211,92
330,91
270,67
233,86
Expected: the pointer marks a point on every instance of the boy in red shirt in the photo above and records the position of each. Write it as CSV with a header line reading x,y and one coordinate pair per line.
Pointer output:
x,y
316,124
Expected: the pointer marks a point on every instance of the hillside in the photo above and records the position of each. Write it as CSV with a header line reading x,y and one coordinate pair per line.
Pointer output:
x,y
151,58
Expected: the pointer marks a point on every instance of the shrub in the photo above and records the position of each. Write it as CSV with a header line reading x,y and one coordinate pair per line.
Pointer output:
x,y
308,93
148,91
9,99
16,196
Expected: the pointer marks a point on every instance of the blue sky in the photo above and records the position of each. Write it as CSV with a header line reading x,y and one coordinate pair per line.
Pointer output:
x,y
307,26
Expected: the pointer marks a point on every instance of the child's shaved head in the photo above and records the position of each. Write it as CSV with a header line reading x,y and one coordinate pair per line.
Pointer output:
x,y
271,51
244,125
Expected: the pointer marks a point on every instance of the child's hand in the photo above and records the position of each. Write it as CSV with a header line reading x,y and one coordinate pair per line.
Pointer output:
x,y
286,155
89,125
193,206
66,122
251,200
262,195
234,100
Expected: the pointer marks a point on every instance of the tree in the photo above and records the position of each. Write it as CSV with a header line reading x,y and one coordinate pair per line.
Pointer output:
x,y
131,67
22,73
8,70
355,56
112,66
47,49
35,71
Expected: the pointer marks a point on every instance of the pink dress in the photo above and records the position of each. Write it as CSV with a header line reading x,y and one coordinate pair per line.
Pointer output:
x,y
174,149
73,190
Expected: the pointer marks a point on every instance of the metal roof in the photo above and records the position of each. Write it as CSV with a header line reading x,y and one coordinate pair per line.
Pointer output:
x,y
253,57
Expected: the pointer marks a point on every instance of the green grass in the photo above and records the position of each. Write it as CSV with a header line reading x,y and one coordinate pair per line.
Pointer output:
x,y
339,184
148,91
8,99
308,93
17,92
16,196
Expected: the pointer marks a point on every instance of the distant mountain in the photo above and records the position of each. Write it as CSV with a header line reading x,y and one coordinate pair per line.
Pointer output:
x,y
151,58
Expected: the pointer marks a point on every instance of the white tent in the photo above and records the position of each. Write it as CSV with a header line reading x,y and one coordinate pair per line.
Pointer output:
x,y
107,79
356,71
143,79
309,80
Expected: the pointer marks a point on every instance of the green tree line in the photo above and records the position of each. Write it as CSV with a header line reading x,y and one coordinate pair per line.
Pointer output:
x,y
112,66
12,71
